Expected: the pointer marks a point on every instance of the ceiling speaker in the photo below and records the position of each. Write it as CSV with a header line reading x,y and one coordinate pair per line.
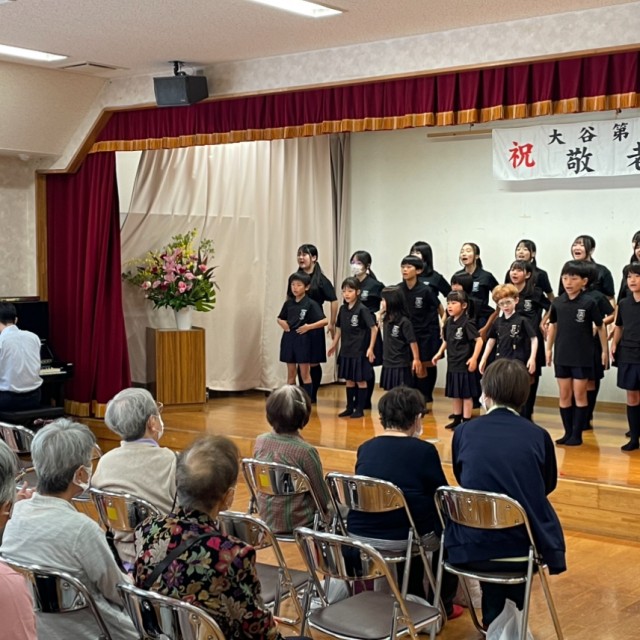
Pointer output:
x,y
176,91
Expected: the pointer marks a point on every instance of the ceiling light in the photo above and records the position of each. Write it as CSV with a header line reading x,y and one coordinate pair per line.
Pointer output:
x,y
29,54
302,7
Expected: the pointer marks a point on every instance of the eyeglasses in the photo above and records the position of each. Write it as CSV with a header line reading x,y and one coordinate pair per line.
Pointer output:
x,y
506,303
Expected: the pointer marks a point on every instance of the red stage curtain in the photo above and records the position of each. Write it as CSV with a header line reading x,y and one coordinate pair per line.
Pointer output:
x,y
586,84
85,294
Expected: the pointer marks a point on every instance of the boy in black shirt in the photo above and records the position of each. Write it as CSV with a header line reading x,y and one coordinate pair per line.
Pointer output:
x,y
571,321
423,305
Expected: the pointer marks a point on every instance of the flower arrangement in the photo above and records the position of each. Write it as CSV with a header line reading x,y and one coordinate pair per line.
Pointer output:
x,y
177,276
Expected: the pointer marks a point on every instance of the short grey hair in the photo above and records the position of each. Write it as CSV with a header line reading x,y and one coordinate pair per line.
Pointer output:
x,y
129,411
57,451
8,471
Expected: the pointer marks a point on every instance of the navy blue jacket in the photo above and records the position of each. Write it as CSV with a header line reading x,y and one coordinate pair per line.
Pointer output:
x,y
505,453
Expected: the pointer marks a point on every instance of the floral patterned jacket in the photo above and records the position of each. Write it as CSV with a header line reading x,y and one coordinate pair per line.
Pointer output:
x,y
217,574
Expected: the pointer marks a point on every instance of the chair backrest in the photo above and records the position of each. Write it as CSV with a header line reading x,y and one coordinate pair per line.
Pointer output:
x,y
277,479
480,509
121,511
248,528
17,437
158,616
56,591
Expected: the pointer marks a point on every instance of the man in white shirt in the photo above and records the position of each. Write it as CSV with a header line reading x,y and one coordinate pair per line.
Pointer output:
x,y
20,379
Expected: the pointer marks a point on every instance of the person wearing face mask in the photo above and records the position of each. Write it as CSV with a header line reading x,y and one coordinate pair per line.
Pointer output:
x,y
16,604
139,466
184,555
371,297
47,530
398,455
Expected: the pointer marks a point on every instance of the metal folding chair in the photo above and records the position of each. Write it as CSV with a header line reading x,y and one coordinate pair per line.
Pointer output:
x,y
121,512
372,495
276,479
491,511
17,437
56,591
277,581
368,615
164,618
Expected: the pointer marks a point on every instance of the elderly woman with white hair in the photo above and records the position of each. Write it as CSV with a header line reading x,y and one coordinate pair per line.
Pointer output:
x,y
16,606
139,466
47,530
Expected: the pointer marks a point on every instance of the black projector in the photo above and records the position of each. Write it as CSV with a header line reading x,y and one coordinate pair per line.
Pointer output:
x,y
176,91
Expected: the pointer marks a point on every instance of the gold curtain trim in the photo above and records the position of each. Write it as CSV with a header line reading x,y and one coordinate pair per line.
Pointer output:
x,y
622,100
75,408
444,118
568,105
490,114
98,409
467,116
542,108
517,111
594,103
276,133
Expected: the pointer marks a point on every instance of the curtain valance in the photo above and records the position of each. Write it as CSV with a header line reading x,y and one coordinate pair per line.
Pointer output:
x,y
594,83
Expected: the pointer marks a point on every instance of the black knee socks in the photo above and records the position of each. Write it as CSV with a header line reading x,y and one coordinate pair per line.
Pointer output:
x,y
430,383
633,418
351,402
580,420
316,379
527,410
566,415
371,383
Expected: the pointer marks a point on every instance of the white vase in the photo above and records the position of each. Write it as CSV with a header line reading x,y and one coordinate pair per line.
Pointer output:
x,y
183,319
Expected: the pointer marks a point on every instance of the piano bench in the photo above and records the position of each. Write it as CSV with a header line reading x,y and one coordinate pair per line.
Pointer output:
x,y
32,418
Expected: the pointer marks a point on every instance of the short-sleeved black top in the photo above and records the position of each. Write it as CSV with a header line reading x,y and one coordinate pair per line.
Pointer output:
x,y
483,285
398,335
371,293
422,303
437,282
603,282
574,334
460,336
513,337
628,350
324,292
355,329
532,305
307,311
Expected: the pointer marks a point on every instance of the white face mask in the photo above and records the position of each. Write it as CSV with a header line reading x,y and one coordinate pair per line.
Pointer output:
x,y
161,431
84,485
357,268
483,401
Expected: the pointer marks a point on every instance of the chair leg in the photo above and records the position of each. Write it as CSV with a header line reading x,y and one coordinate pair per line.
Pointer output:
x,y
472,611
438,588
550,603
527,598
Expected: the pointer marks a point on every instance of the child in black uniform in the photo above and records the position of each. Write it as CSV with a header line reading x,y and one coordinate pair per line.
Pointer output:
x,y
298,318
626,348
463,344
526,252
571,319
532,304
371,297
423,305
321,290
401,356
357,329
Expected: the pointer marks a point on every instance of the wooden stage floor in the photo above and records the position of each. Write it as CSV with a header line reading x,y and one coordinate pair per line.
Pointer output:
x,y
598,501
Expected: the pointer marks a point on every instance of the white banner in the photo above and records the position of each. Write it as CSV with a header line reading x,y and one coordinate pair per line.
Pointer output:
x,y
604,148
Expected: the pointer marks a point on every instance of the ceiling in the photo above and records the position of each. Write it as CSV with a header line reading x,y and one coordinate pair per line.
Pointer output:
x,y
137,37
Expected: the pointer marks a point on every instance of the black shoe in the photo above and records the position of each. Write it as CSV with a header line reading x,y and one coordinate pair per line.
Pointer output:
x,y
628,434
357,414
346,413
563,440
451,416
631,446
573,441
457,419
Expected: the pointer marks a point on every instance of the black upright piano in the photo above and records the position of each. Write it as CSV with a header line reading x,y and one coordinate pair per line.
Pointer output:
x,y
33,315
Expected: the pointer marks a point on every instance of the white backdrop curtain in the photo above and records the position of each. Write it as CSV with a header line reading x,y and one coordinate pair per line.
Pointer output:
x,y
258,201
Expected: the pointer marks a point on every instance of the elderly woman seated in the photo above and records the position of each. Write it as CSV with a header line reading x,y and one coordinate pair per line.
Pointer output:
x,y
16,606
47,530
398,455
139,466
505,453
288,410
212,571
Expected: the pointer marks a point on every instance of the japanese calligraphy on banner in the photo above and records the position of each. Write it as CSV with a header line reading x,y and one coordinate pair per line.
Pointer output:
x,y
604,148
